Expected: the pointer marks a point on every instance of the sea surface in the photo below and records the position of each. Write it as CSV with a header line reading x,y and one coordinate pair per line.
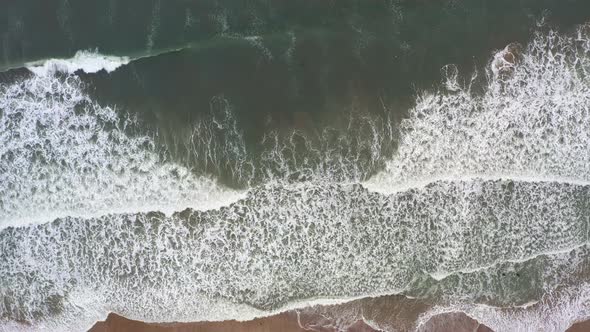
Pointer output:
x,y
192,160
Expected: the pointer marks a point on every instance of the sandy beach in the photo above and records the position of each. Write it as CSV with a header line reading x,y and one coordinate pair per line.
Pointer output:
x,y
364,315
385,313
288,322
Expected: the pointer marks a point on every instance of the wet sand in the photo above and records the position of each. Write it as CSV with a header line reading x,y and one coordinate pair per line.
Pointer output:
x,y
385,313
580,327
284,322
288,322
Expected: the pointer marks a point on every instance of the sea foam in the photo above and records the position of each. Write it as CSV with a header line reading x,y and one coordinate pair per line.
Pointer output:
x,y
533,120
85,61
68,156
503,235
555,312
289,243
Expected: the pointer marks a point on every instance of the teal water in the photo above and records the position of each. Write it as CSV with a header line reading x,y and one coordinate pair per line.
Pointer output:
x,y
37,30
212,160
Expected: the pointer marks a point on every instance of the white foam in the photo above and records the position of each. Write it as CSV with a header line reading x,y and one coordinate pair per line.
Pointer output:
x,y
556,312
284,243
440,275
68,156
86,61
375,185
484,207
532,121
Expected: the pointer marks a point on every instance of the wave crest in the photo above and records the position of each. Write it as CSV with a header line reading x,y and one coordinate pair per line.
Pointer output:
x,y
533,118
86,61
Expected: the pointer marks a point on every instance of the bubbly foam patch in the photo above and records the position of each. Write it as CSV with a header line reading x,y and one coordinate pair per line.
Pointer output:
x,y
67,156
555,313
286,243
532,120
531,124
464,236
86,61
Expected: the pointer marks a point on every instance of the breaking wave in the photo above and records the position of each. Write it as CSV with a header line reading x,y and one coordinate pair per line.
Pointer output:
x,y
488,223
531,121
85,61
68,156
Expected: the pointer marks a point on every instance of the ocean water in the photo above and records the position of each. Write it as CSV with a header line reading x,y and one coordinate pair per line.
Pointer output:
x,y
214,160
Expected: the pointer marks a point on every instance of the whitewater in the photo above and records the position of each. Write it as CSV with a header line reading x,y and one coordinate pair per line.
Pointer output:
x,y
95,216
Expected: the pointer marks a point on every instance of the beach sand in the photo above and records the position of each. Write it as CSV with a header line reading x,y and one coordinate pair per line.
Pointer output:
x,y
388,312
288,322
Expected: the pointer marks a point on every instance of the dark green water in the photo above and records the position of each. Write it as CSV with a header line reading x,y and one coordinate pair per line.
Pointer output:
x,y
244,156
312,57
312,63
36,30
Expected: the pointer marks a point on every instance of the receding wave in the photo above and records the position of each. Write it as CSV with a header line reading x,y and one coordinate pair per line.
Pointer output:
x,y
282,244
554,312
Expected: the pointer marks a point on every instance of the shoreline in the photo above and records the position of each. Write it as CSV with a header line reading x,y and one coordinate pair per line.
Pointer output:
x,y
290,322
285,322
384,313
